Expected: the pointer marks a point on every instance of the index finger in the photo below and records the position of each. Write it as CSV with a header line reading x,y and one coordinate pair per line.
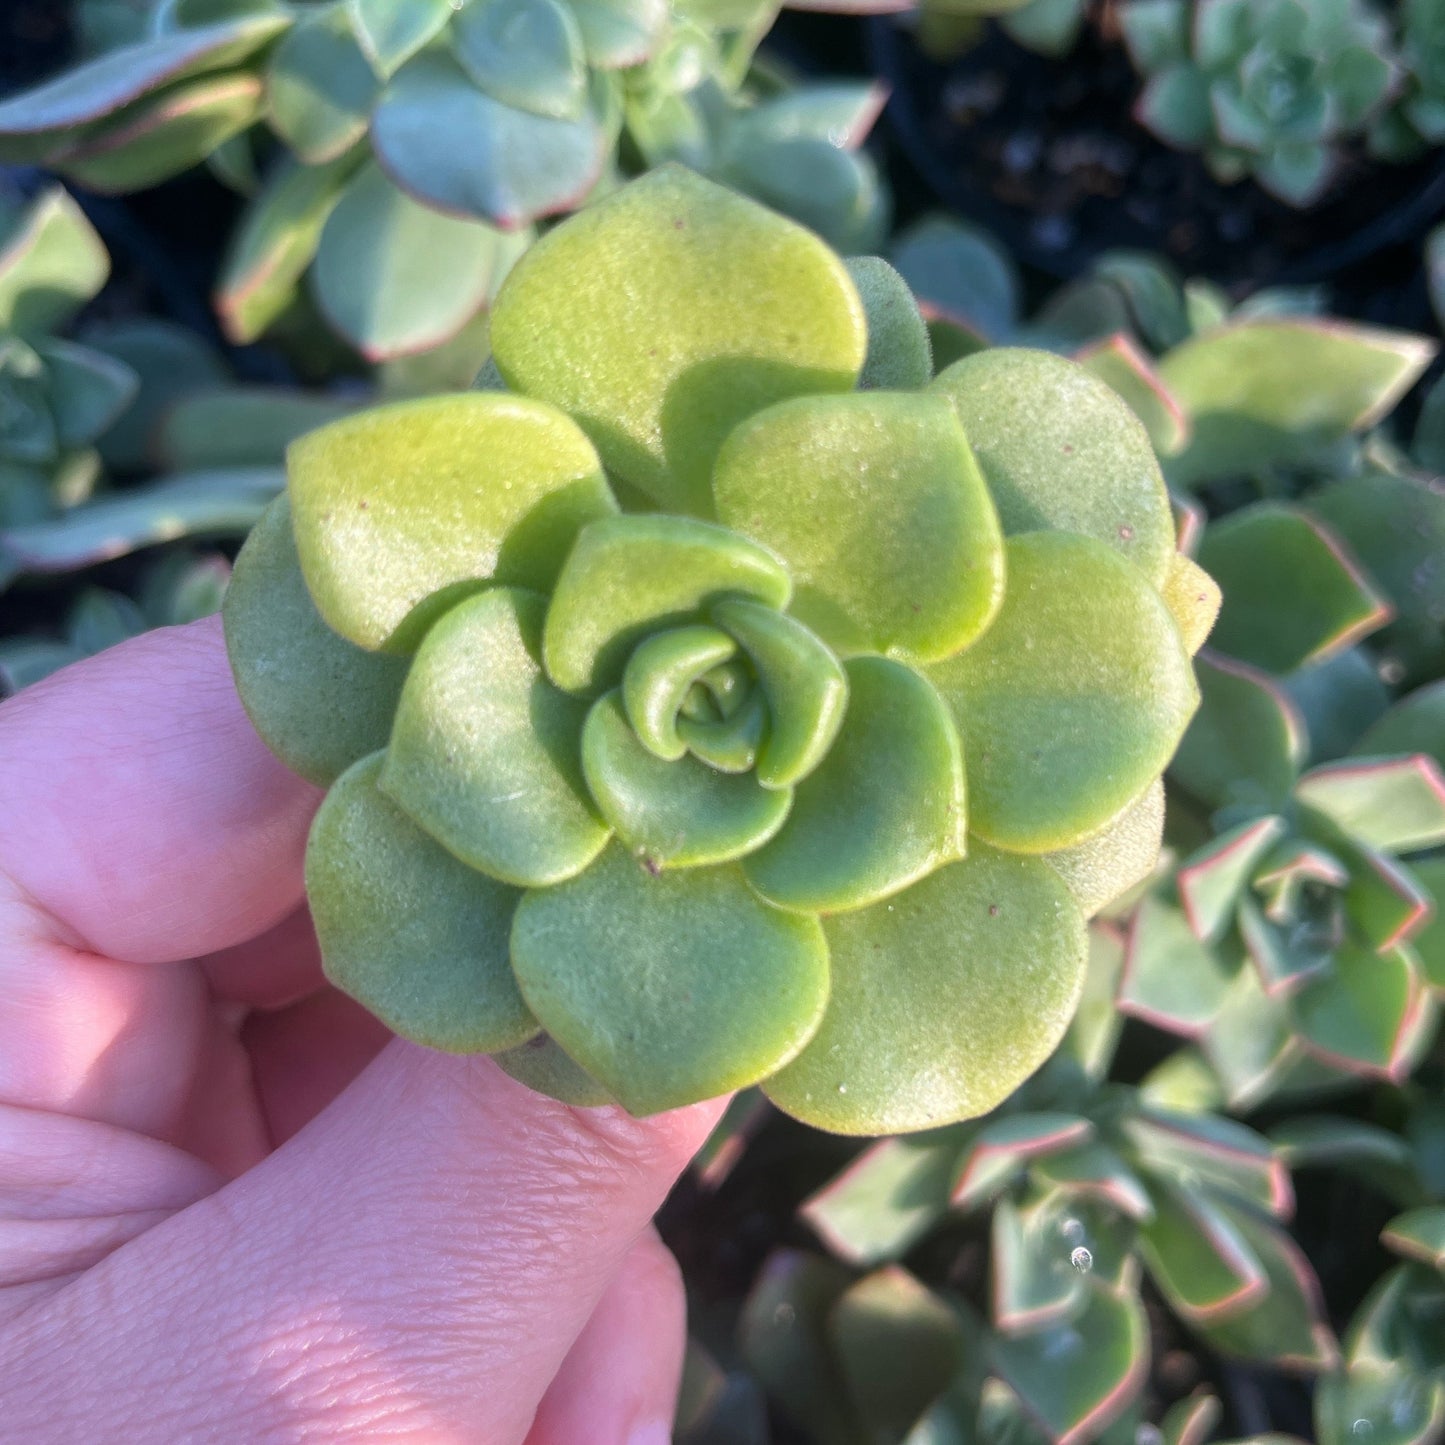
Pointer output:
x,y
140,810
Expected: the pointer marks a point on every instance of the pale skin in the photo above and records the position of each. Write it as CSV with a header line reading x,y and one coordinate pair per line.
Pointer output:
x,y
232,1207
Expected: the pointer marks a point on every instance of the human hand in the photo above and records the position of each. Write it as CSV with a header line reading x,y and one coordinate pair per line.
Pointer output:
x,y
232,1207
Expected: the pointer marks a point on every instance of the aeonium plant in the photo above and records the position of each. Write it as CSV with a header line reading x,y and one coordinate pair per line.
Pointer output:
x,y
717,700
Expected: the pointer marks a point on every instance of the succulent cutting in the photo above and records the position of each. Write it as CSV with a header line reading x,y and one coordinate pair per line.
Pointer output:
x,y
694,717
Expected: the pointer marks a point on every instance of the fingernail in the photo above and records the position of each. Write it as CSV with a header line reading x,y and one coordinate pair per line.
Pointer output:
x,y
655,1432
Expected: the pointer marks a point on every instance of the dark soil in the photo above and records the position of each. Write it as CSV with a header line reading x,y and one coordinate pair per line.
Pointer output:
x,y
1047,154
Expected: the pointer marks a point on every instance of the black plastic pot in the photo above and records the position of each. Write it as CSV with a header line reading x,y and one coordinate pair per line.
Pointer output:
x,y
1047,155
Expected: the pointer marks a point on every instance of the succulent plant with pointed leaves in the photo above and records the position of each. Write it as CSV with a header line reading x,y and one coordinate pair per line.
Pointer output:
x,y
1416,121
694,717
1297,939
1264,88
398,152
947,28
1081,1187
1390,1382
56,398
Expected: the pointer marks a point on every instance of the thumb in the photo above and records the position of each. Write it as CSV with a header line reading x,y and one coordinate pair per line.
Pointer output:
x,y
415,1264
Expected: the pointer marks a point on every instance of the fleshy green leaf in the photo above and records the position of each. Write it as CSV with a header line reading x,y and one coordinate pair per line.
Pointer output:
x,y
88,390
1246,743
224,503
1358,1014
961,275
1420,1235
1106,865
1073,701
1429,941
1034,1285
1120,364
162,137
1394,804
943,1000
320,87
998,1153
887,1199
1218,1152
1395,526
51,263
524,53
1193,599
319,702
658,676
744,309
782,1332
1076,1376
669,989
1170,978
242,426
682,814
886,806
1197,1256
1270,391
620,33
417,937
803,682
1291,596
900,356
515,167
541,1065
397,506
898,1346
1212,879
879,509
1061,451
392,31
102,86
1416,724
1285,1327
394,276
275,242
631,576
485,754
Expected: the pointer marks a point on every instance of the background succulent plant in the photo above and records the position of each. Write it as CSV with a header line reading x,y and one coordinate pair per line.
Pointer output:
x,y
56,398
823,663
340,120
1264,88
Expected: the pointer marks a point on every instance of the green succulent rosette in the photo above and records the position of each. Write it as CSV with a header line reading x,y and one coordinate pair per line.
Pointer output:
x,y
694,717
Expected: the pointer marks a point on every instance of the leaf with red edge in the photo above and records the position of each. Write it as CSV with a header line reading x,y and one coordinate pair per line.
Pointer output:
x,y
1283,954
1247,741
1034,1283
1076,1377
1118,361
1286,1327
1198,1257
1212,879
1419,1235
1291,594
1394,804
1220,1152
1094,1171
1001,1149
888,1198
1170,978
1360,1015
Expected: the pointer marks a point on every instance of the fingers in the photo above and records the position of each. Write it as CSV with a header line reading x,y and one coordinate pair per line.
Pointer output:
x,y
618,1386
416,1263
140,809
